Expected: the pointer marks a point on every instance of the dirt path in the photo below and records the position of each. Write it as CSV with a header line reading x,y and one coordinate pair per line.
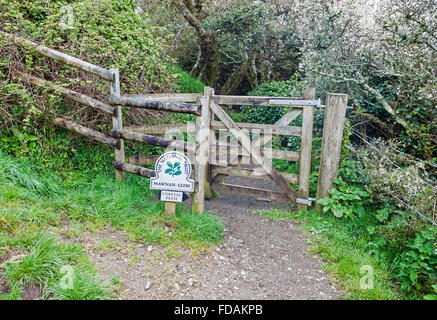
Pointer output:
x,y
259,259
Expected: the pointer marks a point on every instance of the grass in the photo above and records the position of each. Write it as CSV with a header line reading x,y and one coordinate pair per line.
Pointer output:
x,y
345,252
36,205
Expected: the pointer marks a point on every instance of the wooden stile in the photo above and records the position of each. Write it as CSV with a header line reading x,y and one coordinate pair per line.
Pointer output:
x,y
251,157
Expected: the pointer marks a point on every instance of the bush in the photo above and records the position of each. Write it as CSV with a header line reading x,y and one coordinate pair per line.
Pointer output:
x,y
108,33
269,115
396,234
187,83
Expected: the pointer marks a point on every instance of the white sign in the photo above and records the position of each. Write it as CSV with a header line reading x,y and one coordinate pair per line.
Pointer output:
x,y
172,173
171,196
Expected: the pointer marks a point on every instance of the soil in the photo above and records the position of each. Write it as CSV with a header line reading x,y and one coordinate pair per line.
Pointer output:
x,y
259,258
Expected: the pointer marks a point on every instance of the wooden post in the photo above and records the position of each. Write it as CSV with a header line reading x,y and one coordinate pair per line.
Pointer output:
x,y
117,123
306,146
333,126
203,128
170,208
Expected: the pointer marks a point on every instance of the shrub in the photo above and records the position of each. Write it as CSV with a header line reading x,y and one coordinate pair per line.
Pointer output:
x,y
187,83
269,115
107,33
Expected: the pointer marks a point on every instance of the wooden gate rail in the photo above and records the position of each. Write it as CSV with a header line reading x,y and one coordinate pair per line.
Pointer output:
x,y
249,173
271,129
249,191
162,128
168,97
236,150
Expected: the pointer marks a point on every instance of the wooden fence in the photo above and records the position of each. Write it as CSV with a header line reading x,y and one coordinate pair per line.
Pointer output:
x,y
251,154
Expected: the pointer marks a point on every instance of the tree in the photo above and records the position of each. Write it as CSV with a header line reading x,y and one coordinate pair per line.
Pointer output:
x,y
240,43
383,55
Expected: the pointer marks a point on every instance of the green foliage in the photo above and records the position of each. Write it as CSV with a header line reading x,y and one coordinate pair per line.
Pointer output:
x,y
107,33
269,115
345,200
186,83
417,265
397,238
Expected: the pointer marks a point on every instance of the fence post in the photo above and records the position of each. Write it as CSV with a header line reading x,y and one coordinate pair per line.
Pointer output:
x,y
117,123
203,128
333,126
306,146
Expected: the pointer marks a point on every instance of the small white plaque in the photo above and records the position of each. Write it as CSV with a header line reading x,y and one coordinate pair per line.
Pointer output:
x,y
171,196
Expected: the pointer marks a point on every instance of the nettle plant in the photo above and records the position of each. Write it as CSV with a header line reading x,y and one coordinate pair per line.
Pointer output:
x,y
345,200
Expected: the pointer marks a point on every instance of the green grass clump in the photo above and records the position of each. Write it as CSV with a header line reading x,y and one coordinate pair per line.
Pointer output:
x,y
36,206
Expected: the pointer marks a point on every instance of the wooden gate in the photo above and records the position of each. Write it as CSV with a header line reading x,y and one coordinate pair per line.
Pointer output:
x,y
253,157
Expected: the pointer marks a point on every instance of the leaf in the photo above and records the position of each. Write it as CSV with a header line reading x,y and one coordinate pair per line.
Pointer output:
x,y
337,211
177,172
169,164
430,297
324,201
413,276
169,171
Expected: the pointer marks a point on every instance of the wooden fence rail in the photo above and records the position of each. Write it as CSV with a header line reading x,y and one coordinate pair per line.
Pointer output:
x,y
153,140
90,133
139,102
73,95
61,57
127,167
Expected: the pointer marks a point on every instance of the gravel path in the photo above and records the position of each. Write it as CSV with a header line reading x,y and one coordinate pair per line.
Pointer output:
x,y
260,258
